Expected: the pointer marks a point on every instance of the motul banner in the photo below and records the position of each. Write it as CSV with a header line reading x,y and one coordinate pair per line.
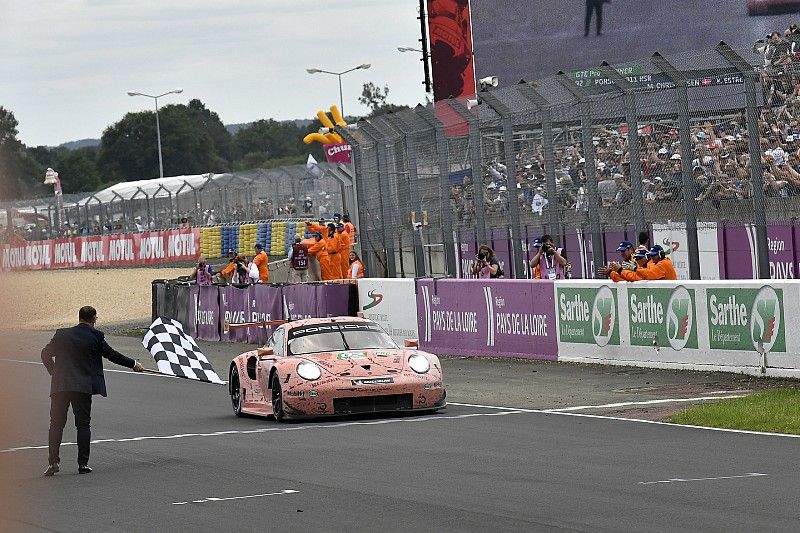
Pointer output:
x,y
103,251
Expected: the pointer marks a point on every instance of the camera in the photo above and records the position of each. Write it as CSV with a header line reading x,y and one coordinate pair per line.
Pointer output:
x,y
481,256
548,249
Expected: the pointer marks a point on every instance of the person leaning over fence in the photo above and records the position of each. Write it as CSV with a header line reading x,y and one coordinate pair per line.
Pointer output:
x,y
486,264
298,261
549,260
659,267
641,258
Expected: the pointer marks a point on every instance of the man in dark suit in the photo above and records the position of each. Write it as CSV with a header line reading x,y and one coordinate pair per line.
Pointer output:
x,y
74,360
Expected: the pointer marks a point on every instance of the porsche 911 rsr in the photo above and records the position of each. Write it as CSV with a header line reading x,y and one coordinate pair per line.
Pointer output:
x,y
334,366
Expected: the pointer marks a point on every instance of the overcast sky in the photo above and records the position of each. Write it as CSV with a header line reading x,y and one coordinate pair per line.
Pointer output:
x,y
66,65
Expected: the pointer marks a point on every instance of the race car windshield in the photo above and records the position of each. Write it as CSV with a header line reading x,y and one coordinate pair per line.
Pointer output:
x,y
338,337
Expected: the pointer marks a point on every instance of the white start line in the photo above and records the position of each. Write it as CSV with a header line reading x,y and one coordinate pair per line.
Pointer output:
x,y
500,411
214,499
681,480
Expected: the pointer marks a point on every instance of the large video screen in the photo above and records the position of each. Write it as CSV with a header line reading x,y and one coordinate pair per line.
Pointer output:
x,y
533,39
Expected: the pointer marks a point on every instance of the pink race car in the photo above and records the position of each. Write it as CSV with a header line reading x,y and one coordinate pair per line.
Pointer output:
x,y
334,366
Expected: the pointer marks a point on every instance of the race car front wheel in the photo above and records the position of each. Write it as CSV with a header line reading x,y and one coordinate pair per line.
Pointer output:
x,y
277,399
235,389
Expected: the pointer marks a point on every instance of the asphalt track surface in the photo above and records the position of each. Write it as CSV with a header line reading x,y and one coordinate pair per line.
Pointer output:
x,y
172,457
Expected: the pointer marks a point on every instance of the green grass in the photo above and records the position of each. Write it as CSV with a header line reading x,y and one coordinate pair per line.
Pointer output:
x,y
772,411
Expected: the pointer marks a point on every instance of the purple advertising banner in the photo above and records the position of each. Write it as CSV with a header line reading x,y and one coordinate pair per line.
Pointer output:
x,y
190,327
208,313
737,251
333,300
501,245
265,305
299,301
513,318
234,306
611,240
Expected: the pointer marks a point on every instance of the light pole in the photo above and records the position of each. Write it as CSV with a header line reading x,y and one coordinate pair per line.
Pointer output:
x,y
427,81
158,126
364,66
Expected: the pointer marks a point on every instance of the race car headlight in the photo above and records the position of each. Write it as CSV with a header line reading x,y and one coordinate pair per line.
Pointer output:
x,y
419,364
308,370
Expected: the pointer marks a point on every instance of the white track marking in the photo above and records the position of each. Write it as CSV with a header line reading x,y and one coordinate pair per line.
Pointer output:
x,y
677,426
213,499
158,375
270,429
602,406
566,411
680,480
643,402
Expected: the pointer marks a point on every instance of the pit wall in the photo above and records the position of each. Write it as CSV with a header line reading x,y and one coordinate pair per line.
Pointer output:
x,y
714,325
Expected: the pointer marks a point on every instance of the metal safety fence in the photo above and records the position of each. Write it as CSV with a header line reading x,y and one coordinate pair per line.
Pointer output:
x,y
181,201
691,139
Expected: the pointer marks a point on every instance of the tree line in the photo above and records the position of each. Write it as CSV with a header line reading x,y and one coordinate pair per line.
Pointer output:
x,y
193,141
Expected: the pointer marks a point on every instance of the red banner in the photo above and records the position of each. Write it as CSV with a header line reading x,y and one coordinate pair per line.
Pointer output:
x,y
338,153
103,251
450,31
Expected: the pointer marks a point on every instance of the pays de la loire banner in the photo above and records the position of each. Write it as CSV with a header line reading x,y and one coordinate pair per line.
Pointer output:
x,y
103,251
483,317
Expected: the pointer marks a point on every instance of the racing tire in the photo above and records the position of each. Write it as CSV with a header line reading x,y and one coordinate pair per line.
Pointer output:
x,y
277,399
235,390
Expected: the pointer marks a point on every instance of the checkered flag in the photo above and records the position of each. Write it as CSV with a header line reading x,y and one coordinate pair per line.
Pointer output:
x,y
176,353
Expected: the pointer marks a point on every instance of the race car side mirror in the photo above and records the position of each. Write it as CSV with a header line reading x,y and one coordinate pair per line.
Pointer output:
x,y
265,351
411,343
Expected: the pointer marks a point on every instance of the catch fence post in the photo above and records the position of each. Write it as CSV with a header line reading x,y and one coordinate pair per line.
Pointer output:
x,y
394,121
444,188
476,161
593,199
632,118
358,191
546,116
388,220
689,188
756,168
511,179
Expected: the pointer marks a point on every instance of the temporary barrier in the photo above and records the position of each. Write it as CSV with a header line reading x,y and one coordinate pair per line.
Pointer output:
x,y
487,317
392,304
155,247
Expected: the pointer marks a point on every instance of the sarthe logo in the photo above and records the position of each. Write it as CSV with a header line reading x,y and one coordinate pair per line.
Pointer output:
x,y
765,318
376,297
604,316
679,318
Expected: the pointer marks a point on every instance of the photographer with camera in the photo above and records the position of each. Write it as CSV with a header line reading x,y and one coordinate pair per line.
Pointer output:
x,y
486,264
548,262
